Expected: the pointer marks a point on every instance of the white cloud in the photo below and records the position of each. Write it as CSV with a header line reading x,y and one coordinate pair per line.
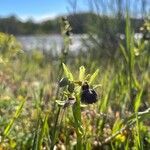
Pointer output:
x,y
38,18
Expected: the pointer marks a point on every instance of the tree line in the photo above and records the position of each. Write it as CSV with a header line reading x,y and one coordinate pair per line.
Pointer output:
x,y
80,22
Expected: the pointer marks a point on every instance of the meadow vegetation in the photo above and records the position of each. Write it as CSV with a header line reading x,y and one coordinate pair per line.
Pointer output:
x,y
41,98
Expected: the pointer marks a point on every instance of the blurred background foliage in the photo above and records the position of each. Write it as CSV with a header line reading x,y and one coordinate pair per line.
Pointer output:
x,y
29,116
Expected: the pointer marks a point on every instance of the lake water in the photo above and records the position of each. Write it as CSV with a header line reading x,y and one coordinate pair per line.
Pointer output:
x,y
53,43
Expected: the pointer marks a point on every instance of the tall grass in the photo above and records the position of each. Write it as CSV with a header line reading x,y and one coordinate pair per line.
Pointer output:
x,y
50,113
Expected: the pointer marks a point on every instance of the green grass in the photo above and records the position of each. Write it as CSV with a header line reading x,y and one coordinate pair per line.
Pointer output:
x,y
36,112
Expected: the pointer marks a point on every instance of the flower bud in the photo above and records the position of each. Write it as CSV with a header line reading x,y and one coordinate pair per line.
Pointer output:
x,y
63,82
71,87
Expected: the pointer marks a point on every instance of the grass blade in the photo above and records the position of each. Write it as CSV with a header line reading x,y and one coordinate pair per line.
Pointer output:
x,y
138,101
42,133
17,114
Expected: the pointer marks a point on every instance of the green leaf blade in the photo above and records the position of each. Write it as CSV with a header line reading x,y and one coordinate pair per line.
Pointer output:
x,y
93,77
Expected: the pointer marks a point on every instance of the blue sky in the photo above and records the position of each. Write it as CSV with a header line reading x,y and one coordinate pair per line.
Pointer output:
x,y
37,9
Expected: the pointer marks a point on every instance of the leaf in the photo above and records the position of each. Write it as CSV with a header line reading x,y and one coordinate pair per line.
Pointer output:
x,y
93,77
63,82
77,118
81,73
17,114
42,132
138,101
128,31
67,72
122,49
97,86
117,125
60,103
132,55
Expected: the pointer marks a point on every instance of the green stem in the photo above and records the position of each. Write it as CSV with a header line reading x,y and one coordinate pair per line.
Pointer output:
x,y
54,130
128,123
78,124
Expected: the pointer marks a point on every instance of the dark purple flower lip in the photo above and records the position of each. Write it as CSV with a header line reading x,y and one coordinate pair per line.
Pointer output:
x,y
88,95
